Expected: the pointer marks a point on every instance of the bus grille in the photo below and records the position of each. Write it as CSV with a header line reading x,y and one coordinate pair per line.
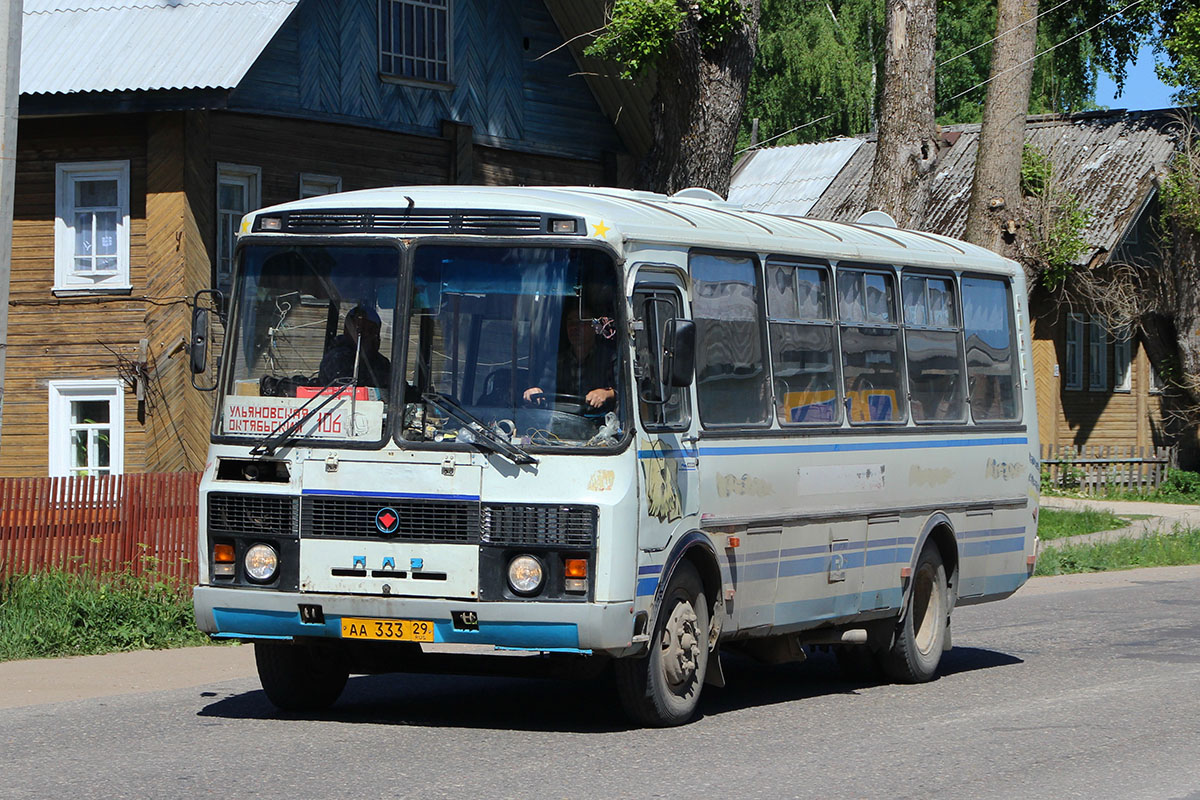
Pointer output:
x,y
444,521
524,525
431,220
452,522
273,514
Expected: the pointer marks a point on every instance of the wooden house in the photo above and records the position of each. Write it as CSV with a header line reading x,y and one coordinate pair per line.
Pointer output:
x,y
1095,386
147,129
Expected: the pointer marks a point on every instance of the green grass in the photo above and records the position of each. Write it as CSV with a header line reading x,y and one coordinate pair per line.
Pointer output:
x,y
1159,550
59,613
1057,524
1180,487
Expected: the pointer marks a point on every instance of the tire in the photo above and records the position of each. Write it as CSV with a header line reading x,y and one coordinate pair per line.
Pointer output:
x,y
920,633
662,688
299,677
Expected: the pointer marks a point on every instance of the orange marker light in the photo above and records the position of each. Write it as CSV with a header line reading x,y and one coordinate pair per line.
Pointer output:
x,y
223,554
575,568
735,541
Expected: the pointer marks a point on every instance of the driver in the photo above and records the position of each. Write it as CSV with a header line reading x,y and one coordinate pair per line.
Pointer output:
x,y
587,364
374,368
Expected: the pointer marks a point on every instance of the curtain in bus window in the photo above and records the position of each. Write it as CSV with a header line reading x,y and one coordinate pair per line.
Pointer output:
x,y
731,380
871,352
991,362
802,345
935,366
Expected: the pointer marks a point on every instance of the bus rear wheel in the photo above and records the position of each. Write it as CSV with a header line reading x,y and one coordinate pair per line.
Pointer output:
x,y
920,634
662,688
299,677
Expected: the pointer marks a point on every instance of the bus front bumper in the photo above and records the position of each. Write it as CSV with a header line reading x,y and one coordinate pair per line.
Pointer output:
x,y
567,627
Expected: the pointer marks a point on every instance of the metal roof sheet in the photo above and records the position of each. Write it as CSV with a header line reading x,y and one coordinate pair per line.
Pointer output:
x,y
116,45
788,180
1109,160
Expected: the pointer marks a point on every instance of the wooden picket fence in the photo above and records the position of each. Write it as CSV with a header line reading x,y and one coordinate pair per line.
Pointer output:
x,y
145,523
1103,467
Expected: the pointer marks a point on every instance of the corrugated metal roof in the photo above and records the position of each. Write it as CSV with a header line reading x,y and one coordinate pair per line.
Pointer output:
x,y
1109,160
118,45
788,180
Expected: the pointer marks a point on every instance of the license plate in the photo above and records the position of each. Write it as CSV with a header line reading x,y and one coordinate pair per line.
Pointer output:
x,y
392,630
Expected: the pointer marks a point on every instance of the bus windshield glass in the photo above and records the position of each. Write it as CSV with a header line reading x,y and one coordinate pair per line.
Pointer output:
x,y
520,341
312,332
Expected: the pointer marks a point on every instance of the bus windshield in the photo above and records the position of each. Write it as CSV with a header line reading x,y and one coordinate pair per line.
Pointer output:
x,y
522,341
312,331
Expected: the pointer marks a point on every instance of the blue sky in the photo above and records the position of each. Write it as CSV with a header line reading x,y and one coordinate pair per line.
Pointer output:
x,y
1142,89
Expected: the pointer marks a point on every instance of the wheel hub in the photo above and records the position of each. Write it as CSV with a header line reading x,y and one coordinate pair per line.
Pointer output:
x,y
681,645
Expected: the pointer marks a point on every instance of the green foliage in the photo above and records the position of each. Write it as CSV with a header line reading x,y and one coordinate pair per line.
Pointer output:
x,y
1036,170
1061,242
640,32
1180,192
1181,484
1179,49
1055,523
59,613
1162,550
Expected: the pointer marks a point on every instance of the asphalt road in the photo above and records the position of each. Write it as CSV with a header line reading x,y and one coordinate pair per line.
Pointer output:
x,y
1076,687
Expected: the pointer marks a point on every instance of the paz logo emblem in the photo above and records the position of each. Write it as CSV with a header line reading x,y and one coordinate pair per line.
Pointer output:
x,y
387,521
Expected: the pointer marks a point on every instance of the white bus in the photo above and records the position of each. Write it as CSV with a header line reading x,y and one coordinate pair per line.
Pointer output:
x,y
613,426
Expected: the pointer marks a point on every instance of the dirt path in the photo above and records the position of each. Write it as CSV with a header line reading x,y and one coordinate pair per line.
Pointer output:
x,y
1162,518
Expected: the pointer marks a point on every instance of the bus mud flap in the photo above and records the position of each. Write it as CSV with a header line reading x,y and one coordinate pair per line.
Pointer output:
x,y
714,676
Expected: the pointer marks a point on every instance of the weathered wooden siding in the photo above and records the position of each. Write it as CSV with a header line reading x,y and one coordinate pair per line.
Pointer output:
x,y
68,338
511,80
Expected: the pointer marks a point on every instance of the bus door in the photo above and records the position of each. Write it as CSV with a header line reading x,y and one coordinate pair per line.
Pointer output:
x,y
667,450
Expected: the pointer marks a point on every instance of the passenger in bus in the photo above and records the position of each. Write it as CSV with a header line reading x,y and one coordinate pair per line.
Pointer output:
x,y
586,366
374,368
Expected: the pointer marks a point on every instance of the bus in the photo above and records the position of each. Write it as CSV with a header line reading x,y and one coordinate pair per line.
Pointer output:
x,y
613,430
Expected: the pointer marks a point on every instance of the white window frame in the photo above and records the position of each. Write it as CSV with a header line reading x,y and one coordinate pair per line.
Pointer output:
x,y
249,178
62,394
67,279
1073,378
1123,360
1097,355
314,185
385,9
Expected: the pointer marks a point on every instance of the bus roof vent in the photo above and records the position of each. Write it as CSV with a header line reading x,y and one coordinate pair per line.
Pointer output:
x,y
698,193
423,220
880,218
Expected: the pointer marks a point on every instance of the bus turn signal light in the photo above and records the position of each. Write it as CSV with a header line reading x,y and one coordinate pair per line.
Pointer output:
x,y
223,554
575,568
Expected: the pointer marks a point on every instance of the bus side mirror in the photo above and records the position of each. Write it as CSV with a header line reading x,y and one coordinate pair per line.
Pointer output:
x,y
198,345
679,351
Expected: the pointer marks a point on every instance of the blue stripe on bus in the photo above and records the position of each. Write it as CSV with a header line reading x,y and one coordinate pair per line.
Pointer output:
x,y
990,532
391,495
835,447
993,546
652,569
646,586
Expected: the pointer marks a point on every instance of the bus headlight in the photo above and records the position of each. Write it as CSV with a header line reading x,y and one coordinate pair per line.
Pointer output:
x,y
526,575
261,562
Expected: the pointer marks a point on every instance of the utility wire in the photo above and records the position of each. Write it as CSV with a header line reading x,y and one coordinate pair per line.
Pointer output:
x,y
1047,50
1003,33
785,133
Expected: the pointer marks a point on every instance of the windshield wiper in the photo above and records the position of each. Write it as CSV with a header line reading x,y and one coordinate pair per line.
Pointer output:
x,y
281,434
483,436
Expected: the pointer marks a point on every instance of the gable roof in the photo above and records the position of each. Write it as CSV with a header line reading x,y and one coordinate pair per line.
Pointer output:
x,y
1109,159
132,45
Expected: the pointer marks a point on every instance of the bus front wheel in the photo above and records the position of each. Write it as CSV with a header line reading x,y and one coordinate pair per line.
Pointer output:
x,y
298,677
920,634
663,687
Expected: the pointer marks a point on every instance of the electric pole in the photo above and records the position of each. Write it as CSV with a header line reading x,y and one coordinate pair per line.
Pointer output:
x,y
10,40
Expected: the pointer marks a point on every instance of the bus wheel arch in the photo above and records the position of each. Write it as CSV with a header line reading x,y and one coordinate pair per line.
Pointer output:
x,y
922,631
695,548
939,532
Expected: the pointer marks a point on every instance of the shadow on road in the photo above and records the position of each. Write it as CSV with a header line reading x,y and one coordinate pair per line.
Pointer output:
x,y
579,706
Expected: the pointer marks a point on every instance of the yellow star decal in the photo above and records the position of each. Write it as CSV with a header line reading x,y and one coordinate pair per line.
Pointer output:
x,y
601,229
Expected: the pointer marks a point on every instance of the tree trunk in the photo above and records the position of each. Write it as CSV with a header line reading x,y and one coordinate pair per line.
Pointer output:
x,y
994,212
697,107
907,151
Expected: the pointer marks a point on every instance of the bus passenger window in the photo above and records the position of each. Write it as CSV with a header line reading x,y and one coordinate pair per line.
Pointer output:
x,y
802,345
991,352
871,350
935,362
731,377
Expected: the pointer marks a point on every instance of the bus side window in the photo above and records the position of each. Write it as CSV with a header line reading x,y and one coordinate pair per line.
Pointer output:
x,y
800,319
935,361
653,307
990,345
731,370
870,347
